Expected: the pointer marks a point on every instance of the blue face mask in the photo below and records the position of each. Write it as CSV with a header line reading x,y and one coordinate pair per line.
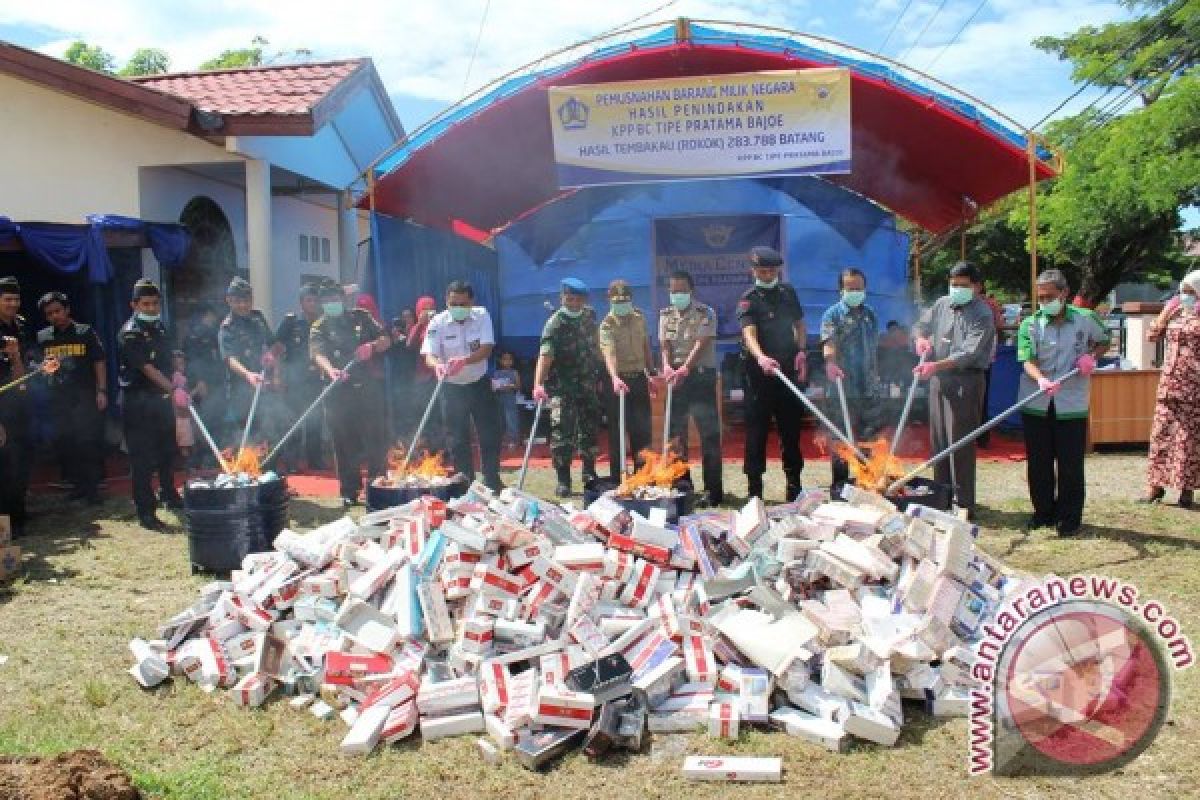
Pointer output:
x,y
1187,300
144,317
766,284
571,314
1053,307
681,300
960,295
334,309
459,313
854,297
622,309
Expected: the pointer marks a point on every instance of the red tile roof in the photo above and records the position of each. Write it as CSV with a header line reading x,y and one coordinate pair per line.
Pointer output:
x,y
285,89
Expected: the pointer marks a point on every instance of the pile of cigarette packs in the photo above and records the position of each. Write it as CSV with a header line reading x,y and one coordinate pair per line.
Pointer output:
x,y
541,628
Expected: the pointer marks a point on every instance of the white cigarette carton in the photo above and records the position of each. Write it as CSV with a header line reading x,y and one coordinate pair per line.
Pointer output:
x,y
433,728
558,707
874,726
365,732
819,730
150,668
730,768
367,626
723,720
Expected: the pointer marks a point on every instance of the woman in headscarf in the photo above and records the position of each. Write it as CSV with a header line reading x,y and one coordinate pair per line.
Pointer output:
x,y
1175,438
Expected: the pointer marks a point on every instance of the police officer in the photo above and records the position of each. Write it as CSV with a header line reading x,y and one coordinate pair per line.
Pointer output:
x,y
301,376
568,365
687,330
245,340
78,394
16,340
458,344
773,339
202,354
849,344
958,333
625,347
145,364
355,411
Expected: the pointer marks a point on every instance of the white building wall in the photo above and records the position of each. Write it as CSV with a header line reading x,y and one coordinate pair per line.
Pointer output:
x,y
292,217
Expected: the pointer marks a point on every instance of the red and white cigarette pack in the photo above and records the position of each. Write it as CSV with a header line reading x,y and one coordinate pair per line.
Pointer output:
x,y
345,669
378,575
730,768
522,699
559,707
584,598
494,606
493,686
688,697
477,635
698,659
650,552
723,720
555,574
588,634
646,532
504,736
618,565
663,609
587,557
408,534
438,627
524,556
496,582
393,692
446,697
639,591
252,690
366,730
660,680
401,722
433,728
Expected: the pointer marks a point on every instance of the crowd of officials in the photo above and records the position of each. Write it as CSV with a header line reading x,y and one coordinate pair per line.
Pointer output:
x,y
587,369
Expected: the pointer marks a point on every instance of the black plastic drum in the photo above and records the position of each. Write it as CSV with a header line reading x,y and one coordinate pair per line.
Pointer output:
x,y
224,525
676,507
381,497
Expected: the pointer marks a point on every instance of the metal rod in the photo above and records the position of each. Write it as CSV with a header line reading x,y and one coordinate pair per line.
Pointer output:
x,y
33,373
975,434
296,425
816,412
667,421
621,432
250,416
908,401
953,470
208,438
537,415
845,410
412,446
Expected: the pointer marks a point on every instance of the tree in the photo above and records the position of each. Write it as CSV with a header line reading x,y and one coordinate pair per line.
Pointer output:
x,y
90,56
146,61
244,57
1114,213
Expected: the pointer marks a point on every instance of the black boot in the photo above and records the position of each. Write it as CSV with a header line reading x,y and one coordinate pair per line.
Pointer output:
x,y
564,481
793,487
754,486
589,470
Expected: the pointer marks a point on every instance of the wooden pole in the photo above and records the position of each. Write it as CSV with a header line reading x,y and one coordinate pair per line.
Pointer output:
x,y
1033,225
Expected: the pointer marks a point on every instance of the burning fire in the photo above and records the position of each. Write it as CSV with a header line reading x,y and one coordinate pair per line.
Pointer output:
x,y
248,460
655,471
878,470
425,467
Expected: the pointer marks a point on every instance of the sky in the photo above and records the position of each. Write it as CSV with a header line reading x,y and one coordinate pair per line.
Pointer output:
x,y
427,56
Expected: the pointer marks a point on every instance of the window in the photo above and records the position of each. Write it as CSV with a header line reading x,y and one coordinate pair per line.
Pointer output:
x,y
303,247
325,249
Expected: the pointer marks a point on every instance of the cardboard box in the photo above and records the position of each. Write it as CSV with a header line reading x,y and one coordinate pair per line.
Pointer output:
x,y
729,768
723,720
561,708
433,728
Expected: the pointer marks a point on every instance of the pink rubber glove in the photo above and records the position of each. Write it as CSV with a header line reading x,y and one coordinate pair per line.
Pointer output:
x,y
181,399
440,371
254,378
336,375
179,380
1086,364
834,373
800,364
923,346
455,366
539,394
1048,386
619,386
268,360
925,370
676,376
364,352
768,365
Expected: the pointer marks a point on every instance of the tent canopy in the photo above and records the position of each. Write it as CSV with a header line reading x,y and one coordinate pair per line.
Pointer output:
x,y
926,154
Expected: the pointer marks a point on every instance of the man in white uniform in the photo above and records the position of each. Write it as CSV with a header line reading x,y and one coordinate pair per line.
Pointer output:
x,y
457,346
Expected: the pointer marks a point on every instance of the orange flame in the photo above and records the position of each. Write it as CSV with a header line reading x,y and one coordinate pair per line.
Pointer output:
x,y
655,471
879,468
426,466
248,460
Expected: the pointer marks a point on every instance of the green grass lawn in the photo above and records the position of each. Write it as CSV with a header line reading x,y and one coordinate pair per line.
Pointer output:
x,y
94,580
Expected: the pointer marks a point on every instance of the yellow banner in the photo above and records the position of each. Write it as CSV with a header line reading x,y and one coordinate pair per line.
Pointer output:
x,y
787,122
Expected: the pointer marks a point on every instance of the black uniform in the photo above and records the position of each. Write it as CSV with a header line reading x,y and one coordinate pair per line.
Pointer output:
x,y
149,415
78,423
246,339
204,363
354,411
15,445
773,312
302,382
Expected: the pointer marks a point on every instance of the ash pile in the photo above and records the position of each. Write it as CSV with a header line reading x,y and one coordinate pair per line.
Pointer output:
x,y
540,629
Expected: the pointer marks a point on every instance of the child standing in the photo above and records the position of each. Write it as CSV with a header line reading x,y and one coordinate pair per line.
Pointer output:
x,y
506,383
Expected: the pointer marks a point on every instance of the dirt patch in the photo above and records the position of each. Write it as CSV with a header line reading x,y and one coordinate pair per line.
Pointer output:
x,y
77,775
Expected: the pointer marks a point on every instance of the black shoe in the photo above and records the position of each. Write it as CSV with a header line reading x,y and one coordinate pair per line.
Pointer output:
x,y
149,521
172,500
348,503
494,483
1155,496
1067,530
1038,521
754,486
589,471
1186,499
716,498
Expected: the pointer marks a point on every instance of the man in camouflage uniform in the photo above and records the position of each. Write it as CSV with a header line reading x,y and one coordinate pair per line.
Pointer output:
x,y
245,340
355,411
625,346
301,377
567,365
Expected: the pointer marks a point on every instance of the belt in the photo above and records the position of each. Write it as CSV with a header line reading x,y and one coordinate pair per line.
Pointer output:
x,y
964,371
634,374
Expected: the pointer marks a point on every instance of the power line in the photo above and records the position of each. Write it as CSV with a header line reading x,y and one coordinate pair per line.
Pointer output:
x,y
637,19
924,30
895,25
954,39
475,50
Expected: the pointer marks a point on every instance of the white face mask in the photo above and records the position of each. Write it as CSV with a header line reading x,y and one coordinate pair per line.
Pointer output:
x,y
1188,301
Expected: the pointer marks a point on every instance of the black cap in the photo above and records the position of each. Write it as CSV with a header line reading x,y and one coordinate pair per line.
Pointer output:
x,y
310,289
144,287
9,285
238,287
330,288
765,257
52,297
